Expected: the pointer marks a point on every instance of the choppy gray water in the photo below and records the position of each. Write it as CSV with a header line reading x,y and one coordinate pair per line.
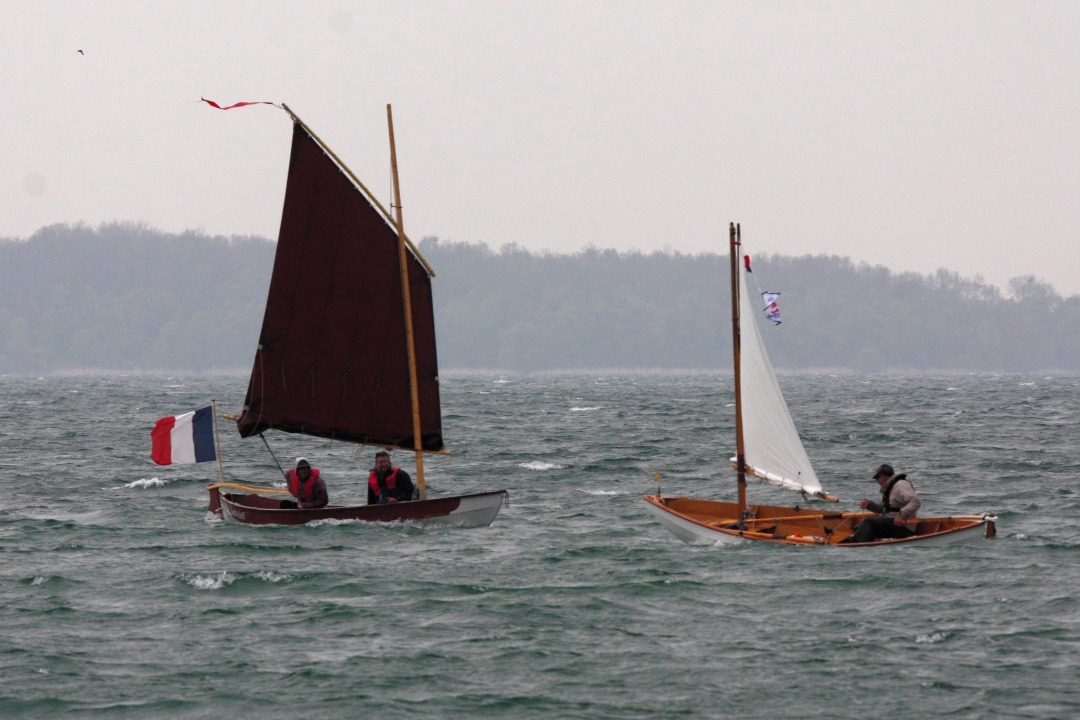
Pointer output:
x,y
120,599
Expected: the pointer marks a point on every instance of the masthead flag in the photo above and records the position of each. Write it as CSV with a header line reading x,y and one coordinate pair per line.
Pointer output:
x,y
184,439
772,310
211,103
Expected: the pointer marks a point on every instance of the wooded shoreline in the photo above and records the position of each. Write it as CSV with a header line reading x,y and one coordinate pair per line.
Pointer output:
x,y
127,298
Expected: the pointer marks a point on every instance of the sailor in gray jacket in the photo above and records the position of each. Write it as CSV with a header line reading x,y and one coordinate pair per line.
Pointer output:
x,y
898,506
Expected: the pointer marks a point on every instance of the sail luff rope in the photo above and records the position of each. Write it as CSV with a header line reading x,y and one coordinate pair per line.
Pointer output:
x,y
262,385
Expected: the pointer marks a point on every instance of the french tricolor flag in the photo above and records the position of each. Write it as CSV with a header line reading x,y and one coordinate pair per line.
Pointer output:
x,y
184,439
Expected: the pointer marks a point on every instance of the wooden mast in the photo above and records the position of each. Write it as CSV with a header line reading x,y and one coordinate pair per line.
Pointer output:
x,y
409,342
735,242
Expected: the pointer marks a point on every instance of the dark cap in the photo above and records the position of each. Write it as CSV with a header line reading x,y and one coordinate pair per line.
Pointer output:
x,y
382,453
883,469
302,462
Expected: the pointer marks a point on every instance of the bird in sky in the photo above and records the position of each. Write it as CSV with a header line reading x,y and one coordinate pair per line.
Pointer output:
x,y
80,52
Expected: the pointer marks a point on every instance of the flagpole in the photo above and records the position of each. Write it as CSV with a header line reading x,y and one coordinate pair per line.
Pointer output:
x,y
217,440
410,344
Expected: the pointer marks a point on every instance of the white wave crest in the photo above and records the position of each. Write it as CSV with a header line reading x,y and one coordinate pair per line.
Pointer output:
x,y
39,580
336,521
272,577
932,638
211,583
585,409
601,492
145,483
539,465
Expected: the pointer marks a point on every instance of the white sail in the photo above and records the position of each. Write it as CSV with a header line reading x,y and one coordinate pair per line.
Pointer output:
x,y
771,443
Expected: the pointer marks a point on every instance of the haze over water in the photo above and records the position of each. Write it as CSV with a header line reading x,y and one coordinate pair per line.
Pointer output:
x,y
121,599
916,135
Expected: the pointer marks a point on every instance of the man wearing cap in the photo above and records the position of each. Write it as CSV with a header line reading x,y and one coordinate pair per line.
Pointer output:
x,y
898,506
388,484
306,486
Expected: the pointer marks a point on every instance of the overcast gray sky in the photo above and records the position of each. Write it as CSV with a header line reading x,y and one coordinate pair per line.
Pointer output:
x,y
916,135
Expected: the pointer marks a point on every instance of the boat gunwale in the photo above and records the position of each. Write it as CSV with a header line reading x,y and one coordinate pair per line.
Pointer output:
x,y
227,508
225,498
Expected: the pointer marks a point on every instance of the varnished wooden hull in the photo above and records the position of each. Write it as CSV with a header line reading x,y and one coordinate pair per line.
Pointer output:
x,y
693,520
477,510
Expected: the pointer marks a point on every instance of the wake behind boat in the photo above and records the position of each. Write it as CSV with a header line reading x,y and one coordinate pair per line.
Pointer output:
x,y
347,347
768,447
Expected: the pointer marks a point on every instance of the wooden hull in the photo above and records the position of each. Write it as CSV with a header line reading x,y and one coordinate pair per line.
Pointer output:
x,y
693,520
477,510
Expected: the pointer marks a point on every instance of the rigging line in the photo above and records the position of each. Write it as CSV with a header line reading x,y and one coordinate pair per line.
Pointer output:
x,y
276,462
756,284
820,516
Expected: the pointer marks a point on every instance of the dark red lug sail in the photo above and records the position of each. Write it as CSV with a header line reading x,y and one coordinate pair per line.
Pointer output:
x,y
332,358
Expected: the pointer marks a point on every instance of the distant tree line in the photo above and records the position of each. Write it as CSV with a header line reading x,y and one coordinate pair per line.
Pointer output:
x,y
125,297
128,298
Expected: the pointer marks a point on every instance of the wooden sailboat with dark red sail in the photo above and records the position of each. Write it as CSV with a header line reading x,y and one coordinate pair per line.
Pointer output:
x,y
347,347
768,447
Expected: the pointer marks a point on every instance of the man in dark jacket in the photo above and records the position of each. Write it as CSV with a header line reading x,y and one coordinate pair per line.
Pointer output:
x,y
898,506
388,484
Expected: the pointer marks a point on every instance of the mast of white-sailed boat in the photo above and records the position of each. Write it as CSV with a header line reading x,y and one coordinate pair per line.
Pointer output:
x,y
735,241
407,301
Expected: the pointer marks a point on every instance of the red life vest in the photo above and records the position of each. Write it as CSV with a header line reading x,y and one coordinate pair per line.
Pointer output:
x,y
306,492
391,482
